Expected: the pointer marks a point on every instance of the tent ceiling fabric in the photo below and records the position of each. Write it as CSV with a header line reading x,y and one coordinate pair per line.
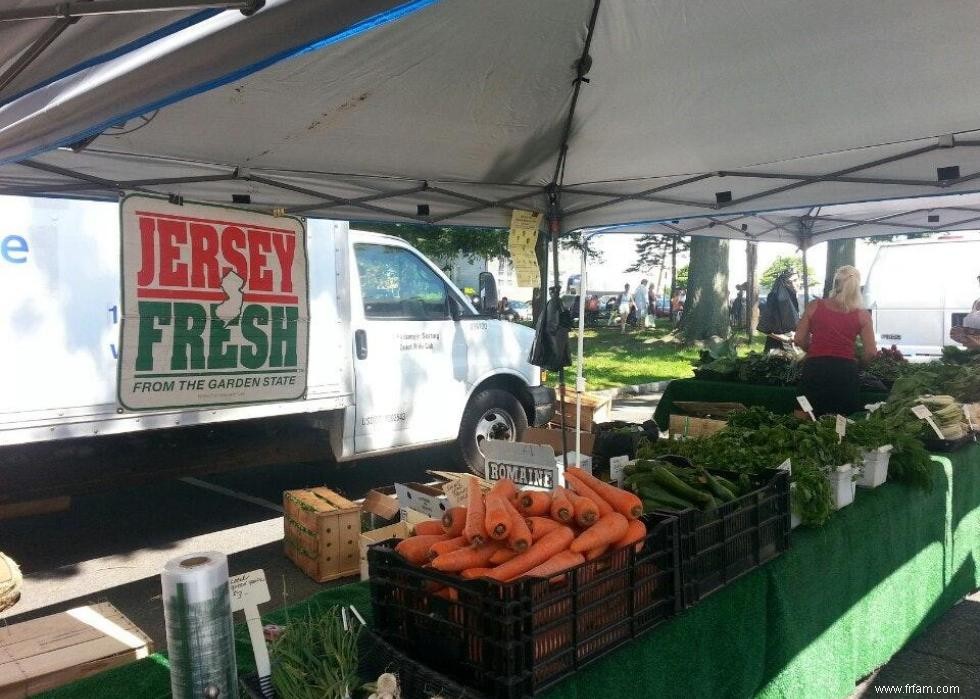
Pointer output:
x,y
78,43
453,111
819,224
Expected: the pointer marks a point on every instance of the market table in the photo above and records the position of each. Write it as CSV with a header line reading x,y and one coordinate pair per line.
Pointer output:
x,y
837,605
778,399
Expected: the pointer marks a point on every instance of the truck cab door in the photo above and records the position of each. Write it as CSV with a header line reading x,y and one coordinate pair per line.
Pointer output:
x,y
407,389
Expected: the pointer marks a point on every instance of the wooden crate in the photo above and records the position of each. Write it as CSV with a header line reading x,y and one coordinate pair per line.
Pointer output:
x,y
321,534
594,409
687,426
45,653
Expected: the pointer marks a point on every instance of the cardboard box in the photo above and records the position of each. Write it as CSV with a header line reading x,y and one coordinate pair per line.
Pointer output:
x,y
426,500
321,530
45,653
687,426
381,502
594,409
398,530
552,438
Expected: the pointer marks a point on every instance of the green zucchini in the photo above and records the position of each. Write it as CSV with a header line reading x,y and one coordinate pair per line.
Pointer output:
x,y
661,495
716,488
678,487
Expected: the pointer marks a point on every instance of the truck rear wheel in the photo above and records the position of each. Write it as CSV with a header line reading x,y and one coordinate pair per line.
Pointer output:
x,y
491,414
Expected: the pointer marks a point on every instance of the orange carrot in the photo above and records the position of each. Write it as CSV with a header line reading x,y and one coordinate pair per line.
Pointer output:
x,y
634,535
474,573
540,526
504,487
586,512
586,492
607,530
593,554
561,506
475,511
497,519
448,593
519,535
550,544
461,559
502,555
625,503
558,563
454,520
429,526
415,549
534,503
447,545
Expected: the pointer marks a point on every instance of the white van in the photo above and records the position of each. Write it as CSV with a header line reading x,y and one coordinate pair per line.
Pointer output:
x,y
398,357
918,289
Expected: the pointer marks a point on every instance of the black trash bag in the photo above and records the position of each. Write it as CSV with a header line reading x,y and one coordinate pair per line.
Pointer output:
x,y
550,349
620,438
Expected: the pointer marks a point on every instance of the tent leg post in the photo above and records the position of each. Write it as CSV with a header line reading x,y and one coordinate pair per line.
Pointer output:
x,y
579,378
806,277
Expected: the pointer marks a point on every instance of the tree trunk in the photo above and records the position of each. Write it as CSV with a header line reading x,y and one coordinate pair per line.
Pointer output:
x,y
839,253
706,308
751,288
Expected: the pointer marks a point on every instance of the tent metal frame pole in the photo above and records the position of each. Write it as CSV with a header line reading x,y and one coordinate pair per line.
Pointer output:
x,y
53,31
83,8
579,376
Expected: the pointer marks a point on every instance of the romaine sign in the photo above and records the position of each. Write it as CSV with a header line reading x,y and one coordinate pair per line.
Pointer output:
x,y
215,306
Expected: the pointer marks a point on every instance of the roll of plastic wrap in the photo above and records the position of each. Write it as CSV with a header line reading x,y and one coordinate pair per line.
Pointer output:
x,y
200,635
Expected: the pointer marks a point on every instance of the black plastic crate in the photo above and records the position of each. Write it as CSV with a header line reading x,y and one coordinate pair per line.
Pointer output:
x,y
721,545
376,656
518,639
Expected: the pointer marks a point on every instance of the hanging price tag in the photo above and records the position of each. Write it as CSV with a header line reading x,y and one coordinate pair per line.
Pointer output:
x,y
922,412
840,426
786,466
616,466
806,407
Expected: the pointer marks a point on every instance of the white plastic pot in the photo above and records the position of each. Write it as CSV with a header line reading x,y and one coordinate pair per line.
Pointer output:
x,y
842,485
875,467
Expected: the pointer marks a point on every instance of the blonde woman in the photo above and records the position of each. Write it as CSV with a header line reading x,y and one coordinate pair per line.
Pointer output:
x,y
827,332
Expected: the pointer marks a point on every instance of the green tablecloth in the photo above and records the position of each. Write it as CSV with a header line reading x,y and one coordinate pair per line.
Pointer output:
x,y
811,623
778,399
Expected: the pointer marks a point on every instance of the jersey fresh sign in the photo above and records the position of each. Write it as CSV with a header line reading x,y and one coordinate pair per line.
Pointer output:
x,y
215,307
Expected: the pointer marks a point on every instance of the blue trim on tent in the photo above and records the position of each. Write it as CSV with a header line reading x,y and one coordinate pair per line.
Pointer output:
x,y
160,33
361,27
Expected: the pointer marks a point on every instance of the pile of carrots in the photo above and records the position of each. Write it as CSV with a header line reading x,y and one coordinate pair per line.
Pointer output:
x,y
509,534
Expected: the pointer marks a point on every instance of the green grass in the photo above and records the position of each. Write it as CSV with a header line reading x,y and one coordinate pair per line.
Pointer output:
x,y
613,359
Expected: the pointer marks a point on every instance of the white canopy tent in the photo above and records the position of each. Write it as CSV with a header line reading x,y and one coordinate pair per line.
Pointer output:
x,y
456,111
697,115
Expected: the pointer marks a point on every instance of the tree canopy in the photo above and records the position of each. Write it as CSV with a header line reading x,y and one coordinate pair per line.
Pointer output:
x,y
652,249
443,244
782,263
682,274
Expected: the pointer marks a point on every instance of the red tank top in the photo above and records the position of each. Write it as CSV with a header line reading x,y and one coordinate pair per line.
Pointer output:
x,y
832,333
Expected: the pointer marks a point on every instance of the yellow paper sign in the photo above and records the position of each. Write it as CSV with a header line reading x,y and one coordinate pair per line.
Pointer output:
x,y
522,240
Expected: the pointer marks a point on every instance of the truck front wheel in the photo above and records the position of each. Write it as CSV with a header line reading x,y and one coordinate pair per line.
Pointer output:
x,y
491,414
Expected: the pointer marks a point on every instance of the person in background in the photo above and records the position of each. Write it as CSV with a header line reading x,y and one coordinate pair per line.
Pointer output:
x,y
782,311
967,334
652,306
738,309
827,332
641,301
677,305
503,309
624,308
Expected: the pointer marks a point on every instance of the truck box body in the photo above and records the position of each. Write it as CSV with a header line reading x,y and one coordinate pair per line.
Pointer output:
x,y
918,290
397,357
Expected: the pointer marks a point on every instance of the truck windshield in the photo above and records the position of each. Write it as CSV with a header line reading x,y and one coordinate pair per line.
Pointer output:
x,y
395,283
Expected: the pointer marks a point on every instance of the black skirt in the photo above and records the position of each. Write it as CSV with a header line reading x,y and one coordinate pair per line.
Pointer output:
x,y
831,385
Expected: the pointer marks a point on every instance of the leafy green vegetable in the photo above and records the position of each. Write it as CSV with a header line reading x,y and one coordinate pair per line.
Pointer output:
x,y
315,658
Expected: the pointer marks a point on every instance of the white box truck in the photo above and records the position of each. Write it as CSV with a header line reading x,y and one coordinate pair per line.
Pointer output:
x,y
918,290
397,357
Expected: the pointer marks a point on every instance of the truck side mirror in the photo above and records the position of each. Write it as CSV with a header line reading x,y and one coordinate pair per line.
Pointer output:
x,y
488,293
